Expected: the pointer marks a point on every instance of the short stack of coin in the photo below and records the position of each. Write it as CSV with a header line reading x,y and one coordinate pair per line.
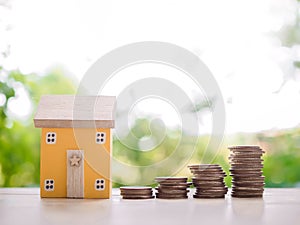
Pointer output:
x,y
246,171
136,192
172,187
208,180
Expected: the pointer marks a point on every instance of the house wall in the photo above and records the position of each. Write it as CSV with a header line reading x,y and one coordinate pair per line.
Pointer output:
x,y
97,160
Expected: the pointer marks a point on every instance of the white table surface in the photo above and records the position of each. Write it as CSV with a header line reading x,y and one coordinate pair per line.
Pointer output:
x,y
24,206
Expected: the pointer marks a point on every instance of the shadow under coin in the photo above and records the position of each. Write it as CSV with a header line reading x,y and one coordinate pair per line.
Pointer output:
x,y
251,209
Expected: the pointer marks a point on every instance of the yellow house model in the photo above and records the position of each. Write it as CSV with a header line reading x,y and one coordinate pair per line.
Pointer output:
x,y
76,145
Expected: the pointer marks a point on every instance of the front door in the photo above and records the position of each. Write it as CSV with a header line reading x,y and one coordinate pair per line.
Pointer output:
x,y
75,172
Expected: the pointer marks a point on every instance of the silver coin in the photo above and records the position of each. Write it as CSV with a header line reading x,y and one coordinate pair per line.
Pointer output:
x,y
171,191
209,196
171,196
206,179
135,188
137,197
247,196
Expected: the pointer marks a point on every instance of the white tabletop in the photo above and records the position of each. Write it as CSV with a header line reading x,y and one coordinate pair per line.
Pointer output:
x,y
24,206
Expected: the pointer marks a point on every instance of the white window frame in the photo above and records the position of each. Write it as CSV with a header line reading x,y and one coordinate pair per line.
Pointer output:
x,y
99,184
49,183
100,138
51,138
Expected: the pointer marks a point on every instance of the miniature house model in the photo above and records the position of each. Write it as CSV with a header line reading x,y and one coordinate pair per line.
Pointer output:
x,y
75,145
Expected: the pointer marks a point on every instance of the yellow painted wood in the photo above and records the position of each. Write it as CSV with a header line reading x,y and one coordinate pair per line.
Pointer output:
x,y
75,173
97,160
89,184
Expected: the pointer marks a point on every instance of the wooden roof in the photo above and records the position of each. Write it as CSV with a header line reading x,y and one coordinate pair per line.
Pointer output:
x,y
75,111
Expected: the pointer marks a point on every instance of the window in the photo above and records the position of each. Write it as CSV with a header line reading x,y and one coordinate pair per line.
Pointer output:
x,y
100,137
100,184
51,138
49,185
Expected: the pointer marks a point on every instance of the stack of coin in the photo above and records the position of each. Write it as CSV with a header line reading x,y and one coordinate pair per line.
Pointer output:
x,y
209,181
136,192
246,171
172,187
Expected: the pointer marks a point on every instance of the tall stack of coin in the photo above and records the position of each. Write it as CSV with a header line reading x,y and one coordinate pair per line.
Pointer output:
x,y
246,171
136,192
172,187
209,181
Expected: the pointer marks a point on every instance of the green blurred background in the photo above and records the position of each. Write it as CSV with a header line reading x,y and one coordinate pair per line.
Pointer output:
x,y
19,140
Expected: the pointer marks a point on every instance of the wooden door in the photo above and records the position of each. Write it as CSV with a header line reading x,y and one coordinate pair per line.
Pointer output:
x,y
75,174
